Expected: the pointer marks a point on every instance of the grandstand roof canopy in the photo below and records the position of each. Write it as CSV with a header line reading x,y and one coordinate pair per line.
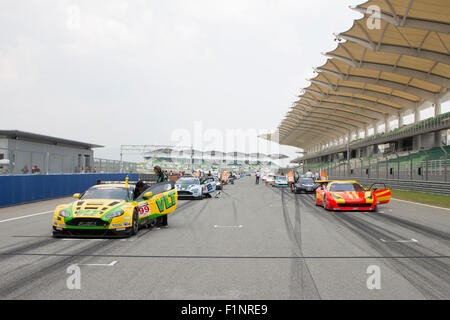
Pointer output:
x,y
196,154
376,71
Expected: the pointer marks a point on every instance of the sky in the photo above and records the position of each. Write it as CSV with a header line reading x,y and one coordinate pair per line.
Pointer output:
x,y
208,73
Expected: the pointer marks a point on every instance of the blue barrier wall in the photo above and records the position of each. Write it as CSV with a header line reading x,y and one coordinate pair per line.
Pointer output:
x,y
21,189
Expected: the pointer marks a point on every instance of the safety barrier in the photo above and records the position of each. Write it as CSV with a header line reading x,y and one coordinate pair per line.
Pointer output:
x,y
414,185
19,189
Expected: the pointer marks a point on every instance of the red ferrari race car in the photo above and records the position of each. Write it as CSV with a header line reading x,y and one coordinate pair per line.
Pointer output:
x,y
351,196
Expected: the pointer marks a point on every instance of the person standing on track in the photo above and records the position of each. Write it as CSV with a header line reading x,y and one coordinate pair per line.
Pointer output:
x,y
257,175
161,176
162,221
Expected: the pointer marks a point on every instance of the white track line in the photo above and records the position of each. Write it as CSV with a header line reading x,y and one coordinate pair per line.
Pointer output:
x,y
421,204
98,264
28,216
216,226
81,239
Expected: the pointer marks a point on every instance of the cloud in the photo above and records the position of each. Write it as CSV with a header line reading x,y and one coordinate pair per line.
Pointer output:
x,y
132,72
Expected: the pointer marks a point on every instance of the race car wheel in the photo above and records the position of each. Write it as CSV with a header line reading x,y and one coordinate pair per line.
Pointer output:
x,y
134,224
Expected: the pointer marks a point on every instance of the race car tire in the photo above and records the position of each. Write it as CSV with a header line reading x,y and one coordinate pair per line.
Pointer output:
x,y
134,224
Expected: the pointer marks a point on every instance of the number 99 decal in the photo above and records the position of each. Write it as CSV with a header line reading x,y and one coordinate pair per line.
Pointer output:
x,y
144,210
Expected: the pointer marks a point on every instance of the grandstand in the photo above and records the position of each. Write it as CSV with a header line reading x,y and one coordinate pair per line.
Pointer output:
x,y
377,76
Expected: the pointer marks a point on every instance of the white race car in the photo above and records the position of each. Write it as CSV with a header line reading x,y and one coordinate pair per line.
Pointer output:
x,y
189,187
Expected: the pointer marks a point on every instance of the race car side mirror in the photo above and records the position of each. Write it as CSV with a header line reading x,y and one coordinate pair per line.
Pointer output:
x,y
148,195
77,196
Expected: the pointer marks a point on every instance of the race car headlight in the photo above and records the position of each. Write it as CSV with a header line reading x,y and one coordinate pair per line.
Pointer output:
x,y
114,214
65,213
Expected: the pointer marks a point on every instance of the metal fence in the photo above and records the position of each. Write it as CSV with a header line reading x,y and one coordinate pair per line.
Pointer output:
x,y
113,166
20,161
413,167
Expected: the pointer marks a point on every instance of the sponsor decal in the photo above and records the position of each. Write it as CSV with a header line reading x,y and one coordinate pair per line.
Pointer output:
x,y
116,225
163,202
144,210
126,224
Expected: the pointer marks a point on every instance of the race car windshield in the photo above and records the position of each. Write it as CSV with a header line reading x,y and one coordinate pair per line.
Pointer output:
x,y
106,193
307,181
342,187
188,181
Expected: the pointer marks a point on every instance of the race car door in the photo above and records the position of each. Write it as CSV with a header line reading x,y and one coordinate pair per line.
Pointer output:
x,y
320,191
208,185
163,201
381,193
382,196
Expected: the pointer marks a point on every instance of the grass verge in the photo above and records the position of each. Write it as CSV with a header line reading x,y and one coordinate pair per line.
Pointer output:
x,y
421,197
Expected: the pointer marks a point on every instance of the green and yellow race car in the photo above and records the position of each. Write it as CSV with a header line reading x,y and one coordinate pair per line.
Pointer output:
x,y
110,209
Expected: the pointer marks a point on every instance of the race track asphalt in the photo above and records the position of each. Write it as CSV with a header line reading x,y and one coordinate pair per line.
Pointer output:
x,y
251,242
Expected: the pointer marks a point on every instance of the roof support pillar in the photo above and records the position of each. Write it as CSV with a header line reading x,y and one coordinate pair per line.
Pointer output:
x,y
366,132
375,128
416,115
401,121
437,107
386,123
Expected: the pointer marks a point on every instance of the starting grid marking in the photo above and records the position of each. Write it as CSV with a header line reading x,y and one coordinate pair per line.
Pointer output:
x,y
217,226
400,241
112,264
